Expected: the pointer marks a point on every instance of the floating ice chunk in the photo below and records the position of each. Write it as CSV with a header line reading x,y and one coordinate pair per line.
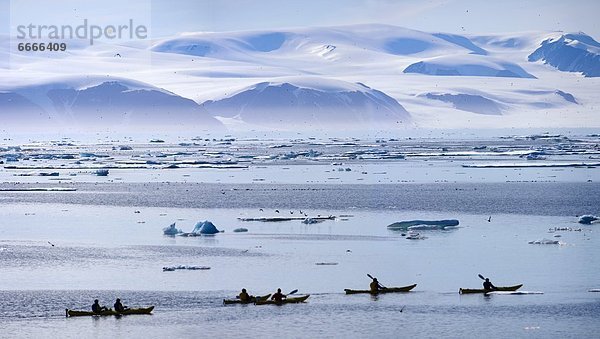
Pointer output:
x,y
205,227
588,219
534,156
101,172
412,235
544,242
171,230
241,229
429,227
309,221
594,290
437,224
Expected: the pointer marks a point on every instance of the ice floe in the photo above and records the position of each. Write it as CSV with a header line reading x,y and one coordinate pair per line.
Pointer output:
x,y
101,172
413,235
184,267
529,164
423,225
38,189
309,221
588,219
544,241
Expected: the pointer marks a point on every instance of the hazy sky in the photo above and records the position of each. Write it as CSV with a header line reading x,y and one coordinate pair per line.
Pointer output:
x,y
173,16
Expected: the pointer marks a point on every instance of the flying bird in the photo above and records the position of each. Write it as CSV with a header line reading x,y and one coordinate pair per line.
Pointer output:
x,y
118,55
276,211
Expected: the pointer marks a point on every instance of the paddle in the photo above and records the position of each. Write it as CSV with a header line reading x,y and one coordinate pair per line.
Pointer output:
x,y
380,285
482,278
292,292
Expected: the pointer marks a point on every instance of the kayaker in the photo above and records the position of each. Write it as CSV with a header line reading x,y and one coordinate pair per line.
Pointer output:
x,y
488,286
244,296
118,306
278,297
96,308
374,286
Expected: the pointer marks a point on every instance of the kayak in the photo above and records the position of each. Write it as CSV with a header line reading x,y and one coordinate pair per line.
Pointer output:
x,y
143,310
252,300
481,290
291,300
383,290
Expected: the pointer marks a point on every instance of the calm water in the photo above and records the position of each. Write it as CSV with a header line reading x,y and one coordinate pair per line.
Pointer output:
x,y
104,249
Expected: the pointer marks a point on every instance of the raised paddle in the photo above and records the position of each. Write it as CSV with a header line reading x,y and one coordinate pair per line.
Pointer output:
x,y
482,278
292,292
380,285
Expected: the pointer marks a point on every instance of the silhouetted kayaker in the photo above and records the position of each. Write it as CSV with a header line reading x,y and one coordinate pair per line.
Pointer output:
x,y
118,306
96,308
244,296
488,286
374,286
278,297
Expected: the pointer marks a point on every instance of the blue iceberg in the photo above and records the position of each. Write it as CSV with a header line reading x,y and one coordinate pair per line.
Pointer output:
x,y
205,227
171,230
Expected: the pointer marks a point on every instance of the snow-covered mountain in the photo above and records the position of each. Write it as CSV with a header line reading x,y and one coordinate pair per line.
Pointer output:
x,y
101,102
308,102
471,65
570,53
313,77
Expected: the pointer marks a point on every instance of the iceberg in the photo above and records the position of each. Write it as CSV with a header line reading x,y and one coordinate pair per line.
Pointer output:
x,y
171,230
205,227
588,219
423,224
